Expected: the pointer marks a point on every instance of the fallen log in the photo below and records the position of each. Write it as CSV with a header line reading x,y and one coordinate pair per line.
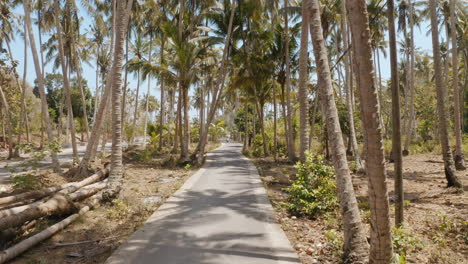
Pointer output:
x,y
37,194
68,188
84,242
57,205
24,245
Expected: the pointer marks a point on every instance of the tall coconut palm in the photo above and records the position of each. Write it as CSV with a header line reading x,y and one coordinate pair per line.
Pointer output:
x,y
290,137
303,76
198,154
381,239
39,76
355,244
123,9
93,141
66,84
450,173
9,123
396,130
459,157
348,83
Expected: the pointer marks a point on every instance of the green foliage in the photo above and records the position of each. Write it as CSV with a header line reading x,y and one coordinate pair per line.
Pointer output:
x,y
335,239
187,166
425,129
143,155
129,131
404,242
119,210
25,182
313,191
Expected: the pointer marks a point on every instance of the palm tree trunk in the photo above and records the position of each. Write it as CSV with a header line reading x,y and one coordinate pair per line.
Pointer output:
x,y
355,244
66,84
147,96
381,239
186,138
303,77
39,75
162,110
135,113
96,92
83,101
450,174
459,158
25,72
22,88
96,131
348,83
177,123
5,140
125,84
9,123
246,126
123,9
219,86
290,135
312,120
275,123
410,83
396,119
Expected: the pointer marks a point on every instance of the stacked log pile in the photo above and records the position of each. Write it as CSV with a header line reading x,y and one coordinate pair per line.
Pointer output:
x,y
20,212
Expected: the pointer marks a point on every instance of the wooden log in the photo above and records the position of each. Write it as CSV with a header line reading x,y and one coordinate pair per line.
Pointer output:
x,y
24,245
37,194
68,188
57,205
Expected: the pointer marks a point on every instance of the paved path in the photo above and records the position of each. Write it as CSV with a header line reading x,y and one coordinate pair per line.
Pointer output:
x,y
221,215
65,156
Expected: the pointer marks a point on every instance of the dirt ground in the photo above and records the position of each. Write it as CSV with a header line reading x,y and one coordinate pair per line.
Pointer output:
x,y
94,236
436,217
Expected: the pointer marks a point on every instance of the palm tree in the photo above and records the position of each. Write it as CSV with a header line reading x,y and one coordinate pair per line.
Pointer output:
x,y
93,141
355,244
65,79
348,84
303,76
198,154
39,76
381,239
123,9
459,158
396,130
290,138
9,123
450,173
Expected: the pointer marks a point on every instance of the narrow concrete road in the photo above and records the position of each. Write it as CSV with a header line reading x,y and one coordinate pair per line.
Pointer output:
x,y
221,215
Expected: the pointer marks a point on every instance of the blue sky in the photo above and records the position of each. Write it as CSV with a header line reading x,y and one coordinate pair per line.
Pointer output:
x,y
422,42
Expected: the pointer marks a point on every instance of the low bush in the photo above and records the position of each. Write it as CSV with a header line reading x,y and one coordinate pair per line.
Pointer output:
x,y
313,190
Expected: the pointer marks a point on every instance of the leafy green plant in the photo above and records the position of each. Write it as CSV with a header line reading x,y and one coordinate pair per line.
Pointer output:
x,y
119,210
188,166
25,182
404,241
313,191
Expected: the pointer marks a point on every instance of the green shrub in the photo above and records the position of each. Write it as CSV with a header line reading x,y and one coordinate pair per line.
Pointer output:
x,y
404,242
25,182
313,191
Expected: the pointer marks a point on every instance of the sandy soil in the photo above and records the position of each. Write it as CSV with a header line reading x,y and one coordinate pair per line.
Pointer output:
x,y
436,229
